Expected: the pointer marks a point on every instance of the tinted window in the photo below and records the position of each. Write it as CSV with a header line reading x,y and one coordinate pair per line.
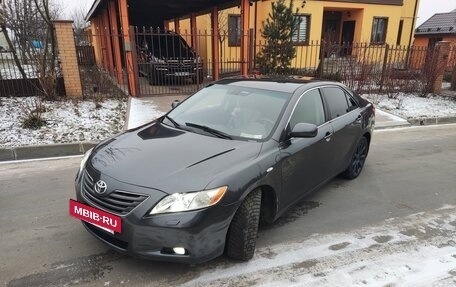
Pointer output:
x,y
337,101
309,110
351,103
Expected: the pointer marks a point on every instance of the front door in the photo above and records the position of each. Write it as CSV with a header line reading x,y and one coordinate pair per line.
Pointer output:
x,y
304,161
348,35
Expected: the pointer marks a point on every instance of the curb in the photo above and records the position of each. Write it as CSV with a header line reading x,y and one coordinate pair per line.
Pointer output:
x,y
431,121
44,151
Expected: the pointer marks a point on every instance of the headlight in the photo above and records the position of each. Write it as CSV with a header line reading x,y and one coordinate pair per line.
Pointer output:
x,y
179,202
84,159
157,60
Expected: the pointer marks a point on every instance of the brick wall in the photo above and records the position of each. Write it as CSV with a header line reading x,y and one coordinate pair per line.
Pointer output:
x,y
68,58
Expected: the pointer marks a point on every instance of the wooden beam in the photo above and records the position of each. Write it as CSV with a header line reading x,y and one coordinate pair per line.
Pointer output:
x,y
108,47
177,25
215,44
245,21
130,65
116,42
193,30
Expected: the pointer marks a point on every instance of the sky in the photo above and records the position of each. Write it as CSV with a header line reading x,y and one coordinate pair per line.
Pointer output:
x,y
426,10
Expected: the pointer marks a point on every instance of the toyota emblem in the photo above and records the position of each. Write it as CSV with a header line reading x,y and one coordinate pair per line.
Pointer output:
x,y
100,187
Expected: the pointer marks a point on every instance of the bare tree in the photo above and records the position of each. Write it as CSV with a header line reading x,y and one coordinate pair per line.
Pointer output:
x,y
79,23
31,24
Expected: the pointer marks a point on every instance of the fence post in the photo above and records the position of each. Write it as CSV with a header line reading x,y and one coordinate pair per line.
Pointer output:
x,y
384,67
68,58
443,51
322,60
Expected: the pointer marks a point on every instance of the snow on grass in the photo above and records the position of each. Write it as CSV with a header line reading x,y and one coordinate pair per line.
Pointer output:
x,y
412,106
67,121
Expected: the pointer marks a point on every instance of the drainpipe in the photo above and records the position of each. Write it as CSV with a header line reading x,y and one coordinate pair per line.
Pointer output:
x,y
255,34
413,22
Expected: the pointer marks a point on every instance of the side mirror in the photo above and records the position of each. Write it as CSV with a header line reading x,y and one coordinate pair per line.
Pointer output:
x,y
303,130
175,104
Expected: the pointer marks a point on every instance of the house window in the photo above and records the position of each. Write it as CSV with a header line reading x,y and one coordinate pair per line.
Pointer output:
x,y
379,30
234,30
301,35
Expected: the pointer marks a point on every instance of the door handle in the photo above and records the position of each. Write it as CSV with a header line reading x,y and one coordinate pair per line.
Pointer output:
x,y
328,136
359,119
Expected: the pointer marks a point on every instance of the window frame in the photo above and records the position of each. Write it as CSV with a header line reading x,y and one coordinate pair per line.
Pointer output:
x,y
307,32
332,117
237,31
385,32
295,105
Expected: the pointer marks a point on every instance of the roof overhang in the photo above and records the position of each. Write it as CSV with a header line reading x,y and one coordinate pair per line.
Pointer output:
x,y
166,10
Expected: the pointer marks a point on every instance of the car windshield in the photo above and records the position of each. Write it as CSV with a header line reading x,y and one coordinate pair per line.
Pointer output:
x,y
229,111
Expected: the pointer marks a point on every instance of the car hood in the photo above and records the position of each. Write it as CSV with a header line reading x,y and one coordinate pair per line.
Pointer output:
x,y
169,159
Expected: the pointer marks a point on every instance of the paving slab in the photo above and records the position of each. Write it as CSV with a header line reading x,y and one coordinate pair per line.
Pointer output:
x,y
385,120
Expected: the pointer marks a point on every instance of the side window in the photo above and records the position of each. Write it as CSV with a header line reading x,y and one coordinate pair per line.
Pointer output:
x,y
337,101
352,105
309,110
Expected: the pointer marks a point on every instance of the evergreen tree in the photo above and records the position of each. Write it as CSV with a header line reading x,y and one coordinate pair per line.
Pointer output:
x,y
276,55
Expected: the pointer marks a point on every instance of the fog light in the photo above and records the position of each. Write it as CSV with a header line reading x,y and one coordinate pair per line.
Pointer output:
x,y
179,250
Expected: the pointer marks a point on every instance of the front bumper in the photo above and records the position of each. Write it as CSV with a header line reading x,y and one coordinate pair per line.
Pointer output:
x,y
202,233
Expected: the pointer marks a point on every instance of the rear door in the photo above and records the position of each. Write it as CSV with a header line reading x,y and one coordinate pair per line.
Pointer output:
x,y
345,119
304,161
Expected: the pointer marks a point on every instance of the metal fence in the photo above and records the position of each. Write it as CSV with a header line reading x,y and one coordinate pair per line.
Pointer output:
x,y
12,82
170,63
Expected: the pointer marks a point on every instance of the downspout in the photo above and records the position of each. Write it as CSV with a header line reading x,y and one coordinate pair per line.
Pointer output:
x,y
255,35
413,22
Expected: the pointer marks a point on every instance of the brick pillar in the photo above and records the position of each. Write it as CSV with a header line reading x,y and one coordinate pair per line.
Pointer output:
x,y
443,51
68,58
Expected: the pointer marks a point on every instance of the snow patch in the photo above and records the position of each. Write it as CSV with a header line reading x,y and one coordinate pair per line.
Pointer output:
x,y
67,121
413,106
141,112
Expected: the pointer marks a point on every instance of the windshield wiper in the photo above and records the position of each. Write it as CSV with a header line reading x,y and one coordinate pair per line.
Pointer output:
x,y
210,130
173,121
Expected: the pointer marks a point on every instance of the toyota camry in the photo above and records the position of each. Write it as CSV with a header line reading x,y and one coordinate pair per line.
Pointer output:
x,y
195,183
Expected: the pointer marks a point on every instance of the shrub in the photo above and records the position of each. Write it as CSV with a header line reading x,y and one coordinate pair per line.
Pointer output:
x,y
33,115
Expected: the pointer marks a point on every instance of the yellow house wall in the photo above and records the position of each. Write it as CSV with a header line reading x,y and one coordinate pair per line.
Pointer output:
x,y
363,14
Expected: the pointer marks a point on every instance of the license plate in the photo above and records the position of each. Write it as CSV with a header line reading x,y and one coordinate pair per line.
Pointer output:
x,y
182,74
102,219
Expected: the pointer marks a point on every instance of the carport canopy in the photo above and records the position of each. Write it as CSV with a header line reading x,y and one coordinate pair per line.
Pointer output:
x,y
154,13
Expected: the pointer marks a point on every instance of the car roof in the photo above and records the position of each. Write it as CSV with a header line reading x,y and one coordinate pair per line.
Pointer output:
x,y
288,84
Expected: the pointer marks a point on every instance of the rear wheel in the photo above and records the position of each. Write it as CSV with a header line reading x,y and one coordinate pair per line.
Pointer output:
x,y
358,159
241,238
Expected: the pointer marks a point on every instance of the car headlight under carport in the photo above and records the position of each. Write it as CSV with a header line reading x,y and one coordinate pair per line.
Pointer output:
x,y
179,202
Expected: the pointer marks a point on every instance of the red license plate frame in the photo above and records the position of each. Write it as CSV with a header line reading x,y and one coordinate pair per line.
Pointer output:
x,y
97,217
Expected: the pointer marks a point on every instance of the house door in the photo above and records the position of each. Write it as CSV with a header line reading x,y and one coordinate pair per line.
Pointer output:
x,y
348,35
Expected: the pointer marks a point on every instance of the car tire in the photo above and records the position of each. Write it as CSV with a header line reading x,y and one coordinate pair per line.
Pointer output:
x,y
241,238
358,159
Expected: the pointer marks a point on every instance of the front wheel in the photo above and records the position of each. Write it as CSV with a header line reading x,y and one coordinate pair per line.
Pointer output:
x,y
358,159
241,238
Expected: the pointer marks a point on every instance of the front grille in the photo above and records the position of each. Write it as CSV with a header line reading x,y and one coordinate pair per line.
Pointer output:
x,y
117,202
107,237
